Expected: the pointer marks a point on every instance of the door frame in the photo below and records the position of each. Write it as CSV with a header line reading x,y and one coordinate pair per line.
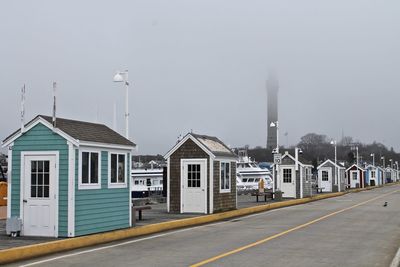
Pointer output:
x,y
203,161
294,182
22,184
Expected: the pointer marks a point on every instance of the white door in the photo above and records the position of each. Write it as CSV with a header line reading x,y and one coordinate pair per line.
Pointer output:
x,y
354,179
193,180
325,179
39,196
288,182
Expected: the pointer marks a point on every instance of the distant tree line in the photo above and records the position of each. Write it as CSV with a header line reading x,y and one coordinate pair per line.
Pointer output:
x,y
317,148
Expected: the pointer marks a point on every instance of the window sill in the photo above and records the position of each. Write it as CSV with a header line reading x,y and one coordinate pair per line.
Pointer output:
x,y
222,191
89,186
111,186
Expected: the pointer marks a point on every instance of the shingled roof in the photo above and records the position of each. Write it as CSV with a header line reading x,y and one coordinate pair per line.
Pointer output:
x,y
210,144
216,146
84,131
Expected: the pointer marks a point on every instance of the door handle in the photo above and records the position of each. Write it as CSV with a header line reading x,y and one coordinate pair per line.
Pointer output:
x,y
25,201
202,190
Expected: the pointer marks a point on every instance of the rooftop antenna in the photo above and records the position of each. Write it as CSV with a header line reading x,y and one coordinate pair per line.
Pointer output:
x,y
54,104
23,109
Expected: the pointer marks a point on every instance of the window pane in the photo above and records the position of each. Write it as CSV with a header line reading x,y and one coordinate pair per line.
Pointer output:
x,y
33,191
33,166
85,167
94,168
46,191
223,175
46,179
46,166
33,179
40,166
40,191
113,168
121,168
40,179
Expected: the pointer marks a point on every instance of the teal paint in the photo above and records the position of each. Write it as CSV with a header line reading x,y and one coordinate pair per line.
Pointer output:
x,y
104,209
41,138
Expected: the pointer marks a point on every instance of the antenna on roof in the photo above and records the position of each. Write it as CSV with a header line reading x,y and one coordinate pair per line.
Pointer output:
x,y
23,109
54,104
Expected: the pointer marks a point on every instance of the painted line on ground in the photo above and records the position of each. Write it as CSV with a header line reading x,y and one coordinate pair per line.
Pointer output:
x,y
148,238
396,260
265,240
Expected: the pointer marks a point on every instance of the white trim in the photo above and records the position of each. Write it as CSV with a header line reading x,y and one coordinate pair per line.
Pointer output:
x,y
197,142
168,181
330,161
205,181
211,186
45,123
97,185
56,179
104,145
117,185
222,191
355,165
9,180
71,190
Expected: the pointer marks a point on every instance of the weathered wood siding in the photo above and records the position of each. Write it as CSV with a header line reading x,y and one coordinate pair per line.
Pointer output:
x,y
224,201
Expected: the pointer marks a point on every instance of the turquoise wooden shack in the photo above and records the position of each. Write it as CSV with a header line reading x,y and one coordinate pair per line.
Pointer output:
x,y
68,178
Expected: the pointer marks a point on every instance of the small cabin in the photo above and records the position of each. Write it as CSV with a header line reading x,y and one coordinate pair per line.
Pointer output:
x,y
355,176
390,175
373,175
328,180
292,177
201,175
68,178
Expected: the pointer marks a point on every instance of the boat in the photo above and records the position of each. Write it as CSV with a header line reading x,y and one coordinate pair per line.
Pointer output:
x,y
249,174
146,182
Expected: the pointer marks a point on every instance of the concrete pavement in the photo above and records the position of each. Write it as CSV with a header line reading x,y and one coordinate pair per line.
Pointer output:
x,y
367,234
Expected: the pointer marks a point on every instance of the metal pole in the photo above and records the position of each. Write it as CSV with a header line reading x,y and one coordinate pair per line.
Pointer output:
x,y
127,109
337,169
277,137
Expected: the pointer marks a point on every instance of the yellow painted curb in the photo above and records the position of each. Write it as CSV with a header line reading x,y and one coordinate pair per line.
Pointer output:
x,y
41,249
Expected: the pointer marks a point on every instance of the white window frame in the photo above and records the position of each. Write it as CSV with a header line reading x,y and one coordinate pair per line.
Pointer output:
x,y
118,185
228,190
374,174
82,186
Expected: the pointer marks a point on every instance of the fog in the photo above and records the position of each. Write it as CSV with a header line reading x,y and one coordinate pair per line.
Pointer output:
x,y
203,65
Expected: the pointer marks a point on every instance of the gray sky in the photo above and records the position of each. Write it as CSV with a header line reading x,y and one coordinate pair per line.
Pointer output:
x,y
203,65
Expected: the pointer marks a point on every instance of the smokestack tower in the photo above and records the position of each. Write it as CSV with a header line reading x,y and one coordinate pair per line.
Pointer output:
x,y
272,98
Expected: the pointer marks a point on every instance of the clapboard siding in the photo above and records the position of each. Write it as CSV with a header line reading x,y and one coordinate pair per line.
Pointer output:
x,y
99,210
41,138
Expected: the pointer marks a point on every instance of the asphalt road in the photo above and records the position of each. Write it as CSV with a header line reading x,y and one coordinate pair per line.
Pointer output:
x,y
352,230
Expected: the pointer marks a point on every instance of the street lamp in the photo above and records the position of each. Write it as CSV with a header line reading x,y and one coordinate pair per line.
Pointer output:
x,y
391,163
276,125
373,159
383,159
333,142
122,76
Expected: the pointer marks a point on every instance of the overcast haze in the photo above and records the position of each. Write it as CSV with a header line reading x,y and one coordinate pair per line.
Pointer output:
x,y
203,65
